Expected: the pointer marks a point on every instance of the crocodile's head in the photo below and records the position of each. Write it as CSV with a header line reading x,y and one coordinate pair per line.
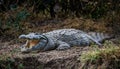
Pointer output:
x,y
32,40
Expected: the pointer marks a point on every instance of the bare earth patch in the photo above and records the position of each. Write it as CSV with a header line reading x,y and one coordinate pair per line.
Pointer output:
x,y
55,59
67,59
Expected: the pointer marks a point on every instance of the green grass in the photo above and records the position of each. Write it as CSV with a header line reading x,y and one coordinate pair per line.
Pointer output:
x,y
109,50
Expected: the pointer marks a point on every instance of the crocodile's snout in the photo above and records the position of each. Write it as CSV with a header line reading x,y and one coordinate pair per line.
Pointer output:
x,y
30,36
22,36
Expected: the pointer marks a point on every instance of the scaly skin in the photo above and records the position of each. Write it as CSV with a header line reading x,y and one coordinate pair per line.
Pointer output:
x,y
59,39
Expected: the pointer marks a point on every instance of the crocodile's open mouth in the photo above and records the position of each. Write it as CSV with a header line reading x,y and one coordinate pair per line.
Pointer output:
x,y
31,43
32,40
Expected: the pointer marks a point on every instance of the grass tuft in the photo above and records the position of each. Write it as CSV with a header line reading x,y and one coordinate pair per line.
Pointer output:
x,y
109,50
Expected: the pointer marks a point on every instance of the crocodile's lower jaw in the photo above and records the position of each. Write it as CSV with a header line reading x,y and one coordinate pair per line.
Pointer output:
x,y
31,43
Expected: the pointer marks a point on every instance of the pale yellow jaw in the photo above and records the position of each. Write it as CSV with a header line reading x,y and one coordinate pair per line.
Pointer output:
x,y
31,43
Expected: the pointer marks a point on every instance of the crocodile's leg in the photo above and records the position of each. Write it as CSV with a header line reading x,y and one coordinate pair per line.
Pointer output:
x,y
62,45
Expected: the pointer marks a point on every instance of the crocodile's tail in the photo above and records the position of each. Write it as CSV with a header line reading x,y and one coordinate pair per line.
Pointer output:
x,y
100,37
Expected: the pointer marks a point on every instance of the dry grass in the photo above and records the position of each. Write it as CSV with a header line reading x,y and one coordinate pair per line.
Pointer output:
x,y
77,23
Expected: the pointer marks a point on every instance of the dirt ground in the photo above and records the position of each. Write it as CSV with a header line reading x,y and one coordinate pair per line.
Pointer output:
x,y
67,59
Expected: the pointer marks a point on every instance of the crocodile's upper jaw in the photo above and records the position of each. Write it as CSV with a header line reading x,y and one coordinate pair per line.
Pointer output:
x,y
30,36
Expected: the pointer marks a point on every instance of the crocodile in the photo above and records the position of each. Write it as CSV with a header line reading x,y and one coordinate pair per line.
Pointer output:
x,y
60,39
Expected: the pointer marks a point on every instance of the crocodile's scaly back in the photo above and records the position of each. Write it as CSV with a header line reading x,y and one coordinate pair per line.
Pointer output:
x,y
61,39
100,36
